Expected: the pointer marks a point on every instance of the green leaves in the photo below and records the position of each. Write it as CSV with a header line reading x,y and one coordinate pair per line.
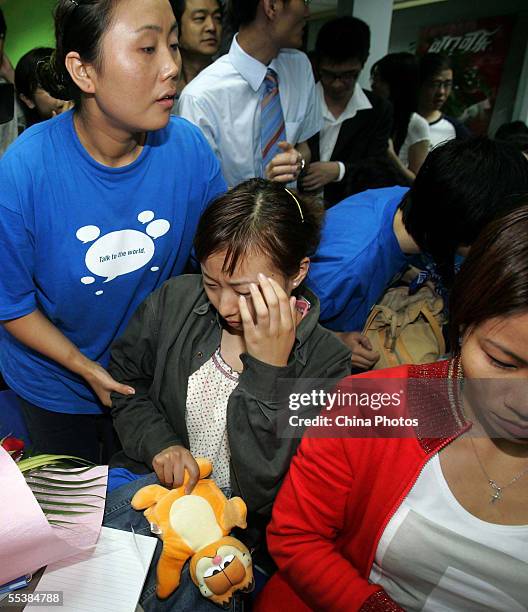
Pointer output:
x,y
63,486
40,461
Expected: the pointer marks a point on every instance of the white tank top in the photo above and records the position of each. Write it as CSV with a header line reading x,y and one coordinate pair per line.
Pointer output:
x,y
436,556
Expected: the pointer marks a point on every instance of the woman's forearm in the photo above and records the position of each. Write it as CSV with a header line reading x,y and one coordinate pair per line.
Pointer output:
x,y
38,333
417,154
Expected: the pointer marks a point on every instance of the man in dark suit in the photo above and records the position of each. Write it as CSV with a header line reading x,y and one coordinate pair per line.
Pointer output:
x,y
357,123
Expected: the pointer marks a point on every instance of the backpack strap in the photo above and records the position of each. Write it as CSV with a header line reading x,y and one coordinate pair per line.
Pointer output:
x,y
373,314
437,331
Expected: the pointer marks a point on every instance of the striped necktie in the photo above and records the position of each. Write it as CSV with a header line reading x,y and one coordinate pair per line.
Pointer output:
x,y
272,119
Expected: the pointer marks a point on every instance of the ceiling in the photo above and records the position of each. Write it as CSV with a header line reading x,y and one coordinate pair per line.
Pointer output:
x,y
325,6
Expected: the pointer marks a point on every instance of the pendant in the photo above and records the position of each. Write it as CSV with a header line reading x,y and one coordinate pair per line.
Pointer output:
x,y
497,492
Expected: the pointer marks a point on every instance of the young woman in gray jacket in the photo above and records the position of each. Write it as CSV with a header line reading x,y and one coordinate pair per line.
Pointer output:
x,y
211,356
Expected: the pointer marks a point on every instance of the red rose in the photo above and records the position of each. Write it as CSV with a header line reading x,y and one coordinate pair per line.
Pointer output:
x,y
13,446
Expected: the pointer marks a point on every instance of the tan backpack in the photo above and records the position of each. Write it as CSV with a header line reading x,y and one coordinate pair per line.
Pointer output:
x,y
405,328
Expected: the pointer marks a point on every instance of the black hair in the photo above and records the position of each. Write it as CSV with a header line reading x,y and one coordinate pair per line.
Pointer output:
x,y
242,12
79,26
260,216
26,71
461,186
513,128
514,132
27,79
343,39
431,64
519,141
400,72
178,8
493,280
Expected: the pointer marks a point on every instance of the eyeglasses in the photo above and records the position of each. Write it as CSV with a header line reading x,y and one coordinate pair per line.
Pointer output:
x,y
438,84
346,76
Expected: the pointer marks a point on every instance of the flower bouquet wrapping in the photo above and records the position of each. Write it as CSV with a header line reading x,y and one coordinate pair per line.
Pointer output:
x,y
48,510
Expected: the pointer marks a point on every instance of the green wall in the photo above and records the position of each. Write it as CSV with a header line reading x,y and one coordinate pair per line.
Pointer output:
x,y
29,24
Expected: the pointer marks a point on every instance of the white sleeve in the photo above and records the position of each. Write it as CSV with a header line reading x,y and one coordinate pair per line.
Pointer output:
x,y
191,108
313,119
418,129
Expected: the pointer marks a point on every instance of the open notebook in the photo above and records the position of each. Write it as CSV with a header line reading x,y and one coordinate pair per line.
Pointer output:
x,y
107,579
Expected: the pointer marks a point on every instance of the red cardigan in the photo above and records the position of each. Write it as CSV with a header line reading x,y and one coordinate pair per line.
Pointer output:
x,y
337,500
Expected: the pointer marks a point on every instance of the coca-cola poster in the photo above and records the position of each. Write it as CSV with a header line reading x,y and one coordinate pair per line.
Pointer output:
x,y
478,50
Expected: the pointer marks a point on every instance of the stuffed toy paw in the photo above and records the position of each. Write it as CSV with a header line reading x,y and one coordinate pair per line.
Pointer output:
x,y
197,527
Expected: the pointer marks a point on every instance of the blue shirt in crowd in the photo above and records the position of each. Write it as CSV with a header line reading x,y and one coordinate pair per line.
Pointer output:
x,y
358,257
86,243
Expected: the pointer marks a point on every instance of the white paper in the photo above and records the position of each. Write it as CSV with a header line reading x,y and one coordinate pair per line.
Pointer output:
x,y
27,541
107,579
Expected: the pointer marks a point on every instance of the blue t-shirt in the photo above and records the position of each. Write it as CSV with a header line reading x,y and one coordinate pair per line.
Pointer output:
x,y
86,243
358,257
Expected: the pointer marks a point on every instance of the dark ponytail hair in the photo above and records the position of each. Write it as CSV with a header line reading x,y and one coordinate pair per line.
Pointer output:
x,y
260,216
79,26
400,72
493,280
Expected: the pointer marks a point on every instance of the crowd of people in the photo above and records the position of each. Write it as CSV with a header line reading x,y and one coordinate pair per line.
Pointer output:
x,y
185,232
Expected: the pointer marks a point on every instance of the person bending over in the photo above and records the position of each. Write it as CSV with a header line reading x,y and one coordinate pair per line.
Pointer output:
x,y
368,238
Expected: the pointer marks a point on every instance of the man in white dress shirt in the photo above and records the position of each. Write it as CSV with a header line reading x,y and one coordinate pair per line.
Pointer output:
x,y
225,100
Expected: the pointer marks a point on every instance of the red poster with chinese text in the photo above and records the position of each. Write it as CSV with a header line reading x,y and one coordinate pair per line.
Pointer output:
x,y
478,50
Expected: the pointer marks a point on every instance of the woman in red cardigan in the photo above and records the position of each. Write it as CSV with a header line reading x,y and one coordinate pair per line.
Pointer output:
x,y
437,521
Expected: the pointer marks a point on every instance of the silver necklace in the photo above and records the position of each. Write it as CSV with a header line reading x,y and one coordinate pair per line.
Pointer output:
x,y
496,496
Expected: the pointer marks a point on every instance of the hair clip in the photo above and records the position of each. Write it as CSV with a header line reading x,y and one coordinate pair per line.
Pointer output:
x,y
75,3
296,202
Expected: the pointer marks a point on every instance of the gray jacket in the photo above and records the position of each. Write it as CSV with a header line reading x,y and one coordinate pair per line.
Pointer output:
x,y
172,334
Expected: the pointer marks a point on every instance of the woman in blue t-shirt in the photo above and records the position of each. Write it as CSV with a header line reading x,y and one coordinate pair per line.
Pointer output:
x,y
98,208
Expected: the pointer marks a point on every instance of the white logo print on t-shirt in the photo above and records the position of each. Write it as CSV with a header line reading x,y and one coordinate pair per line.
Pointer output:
x,y
123,251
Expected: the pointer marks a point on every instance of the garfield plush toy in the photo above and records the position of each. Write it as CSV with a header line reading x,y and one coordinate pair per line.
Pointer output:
x,y
196,527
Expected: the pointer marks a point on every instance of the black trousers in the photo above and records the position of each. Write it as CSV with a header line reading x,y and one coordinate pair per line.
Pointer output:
x,y
89,436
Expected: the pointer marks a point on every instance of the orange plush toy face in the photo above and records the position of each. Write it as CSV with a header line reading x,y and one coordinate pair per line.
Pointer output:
x,y
196,527
221,569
